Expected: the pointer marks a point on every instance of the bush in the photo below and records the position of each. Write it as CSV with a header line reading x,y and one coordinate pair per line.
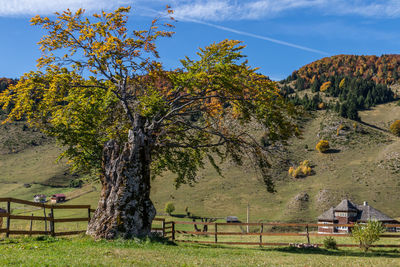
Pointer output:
x,y
290,171
330,243
77,183
169,207
322,146
395,128
367,234
296,172
304,168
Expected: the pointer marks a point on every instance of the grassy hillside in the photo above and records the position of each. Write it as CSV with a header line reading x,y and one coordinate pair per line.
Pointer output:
x,y
363,165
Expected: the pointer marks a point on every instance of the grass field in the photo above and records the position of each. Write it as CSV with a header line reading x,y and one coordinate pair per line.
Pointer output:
x,y
83,251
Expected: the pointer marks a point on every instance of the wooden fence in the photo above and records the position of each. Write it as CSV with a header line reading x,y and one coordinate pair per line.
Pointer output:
x,y
169,229
46,218
177,234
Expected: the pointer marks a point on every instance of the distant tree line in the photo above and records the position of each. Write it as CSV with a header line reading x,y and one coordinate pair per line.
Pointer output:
x,y
382,70
353,94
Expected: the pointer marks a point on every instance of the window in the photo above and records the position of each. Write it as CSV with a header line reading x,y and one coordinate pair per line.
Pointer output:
x,y
341,214
342,228
326,227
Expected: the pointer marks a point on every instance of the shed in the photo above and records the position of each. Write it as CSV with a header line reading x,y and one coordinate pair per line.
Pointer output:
x,y
57,198
40,198
232,219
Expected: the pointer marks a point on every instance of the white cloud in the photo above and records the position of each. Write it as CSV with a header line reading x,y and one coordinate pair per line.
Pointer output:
x,y
45,7
212,10
220,10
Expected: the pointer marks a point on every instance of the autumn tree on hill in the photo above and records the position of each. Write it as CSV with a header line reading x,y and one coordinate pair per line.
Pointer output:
x,y
133,120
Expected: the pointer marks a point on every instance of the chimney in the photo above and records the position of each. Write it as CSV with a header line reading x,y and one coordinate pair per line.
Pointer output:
x,y
365,203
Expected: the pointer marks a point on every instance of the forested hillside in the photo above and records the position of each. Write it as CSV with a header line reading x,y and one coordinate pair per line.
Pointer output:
x,y
344,83
383,70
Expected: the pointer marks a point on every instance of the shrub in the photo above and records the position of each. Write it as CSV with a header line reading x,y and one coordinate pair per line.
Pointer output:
x,y
77,183
304,168
169,207
330,243
296,172
290,171
395,128
322,146
305,163
367,234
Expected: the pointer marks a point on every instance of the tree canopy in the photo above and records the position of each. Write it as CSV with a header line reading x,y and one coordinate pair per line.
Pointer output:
x,y
97,79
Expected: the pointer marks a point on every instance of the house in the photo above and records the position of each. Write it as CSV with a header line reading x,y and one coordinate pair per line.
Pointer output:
x,y
39,198
348,212
57,198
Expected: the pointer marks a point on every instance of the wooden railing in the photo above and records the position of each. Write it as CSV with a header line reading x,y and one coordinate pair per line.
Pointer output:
x,y
306,226
169,229
46,218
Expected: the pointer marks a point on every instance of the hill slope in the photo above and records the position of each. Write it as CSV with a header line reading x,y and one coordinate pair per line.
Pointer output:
x,y
364,165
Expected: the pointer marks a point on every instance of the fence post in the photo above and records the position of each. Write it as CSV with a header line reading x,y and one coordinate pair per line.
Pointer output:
x,y
8,218
30,228
173,231
163,227
45,219
261,231
88,211
308,235
216,231
52,223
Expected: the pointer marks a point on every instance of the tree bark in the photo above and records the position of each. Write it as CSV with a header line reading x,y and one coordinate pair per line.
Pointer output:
x,y
125,209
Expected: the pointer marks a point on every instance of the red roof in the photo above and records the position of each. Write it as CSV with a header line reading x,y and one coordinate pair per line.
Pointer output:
x,y
58,195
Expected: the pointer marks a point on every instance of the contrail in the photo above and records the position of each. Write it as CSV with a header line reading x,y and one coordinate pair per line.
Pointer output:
x,y
265,38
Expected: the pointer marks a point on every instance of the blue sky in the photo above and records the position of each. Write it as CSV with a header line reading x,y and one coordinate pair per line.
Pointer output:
x,y
280,35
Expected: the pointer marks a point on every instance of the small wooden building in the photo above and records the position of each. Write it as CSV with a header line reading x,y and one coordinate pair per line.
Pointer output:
x,y
40,198
348,212
57,198
232,219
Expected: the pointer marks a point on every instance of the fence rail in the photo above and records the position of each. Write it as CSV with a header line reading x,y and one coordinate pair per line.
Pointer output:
x,y
47,219
169,229
261,233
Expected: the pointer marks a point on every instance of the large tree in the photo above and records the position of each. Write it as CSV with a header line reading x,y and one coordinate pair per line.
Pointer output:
x,y
101,92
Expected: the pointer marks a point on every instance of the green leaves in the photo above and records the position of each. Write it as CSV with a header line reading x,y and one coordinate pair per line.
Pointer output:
x,y
367,234
212,109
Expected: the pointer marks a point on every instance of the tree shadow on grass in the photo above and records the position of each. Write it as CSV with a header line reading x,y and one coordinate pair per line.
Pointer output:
x,y
332,151
373,252
340,252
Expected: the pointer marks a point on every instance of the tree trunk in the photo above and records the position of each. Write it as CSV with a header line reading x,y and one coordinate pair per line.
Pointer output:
x,y
125,209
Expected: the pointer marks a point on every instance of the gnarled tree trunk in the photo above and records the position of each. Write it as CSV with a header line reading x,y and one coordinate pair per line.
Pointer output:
x,y
125,209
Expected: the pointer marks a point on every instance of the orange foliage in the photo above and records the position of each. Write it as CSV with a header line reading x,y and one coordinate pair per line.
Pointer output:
x,y
379,69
